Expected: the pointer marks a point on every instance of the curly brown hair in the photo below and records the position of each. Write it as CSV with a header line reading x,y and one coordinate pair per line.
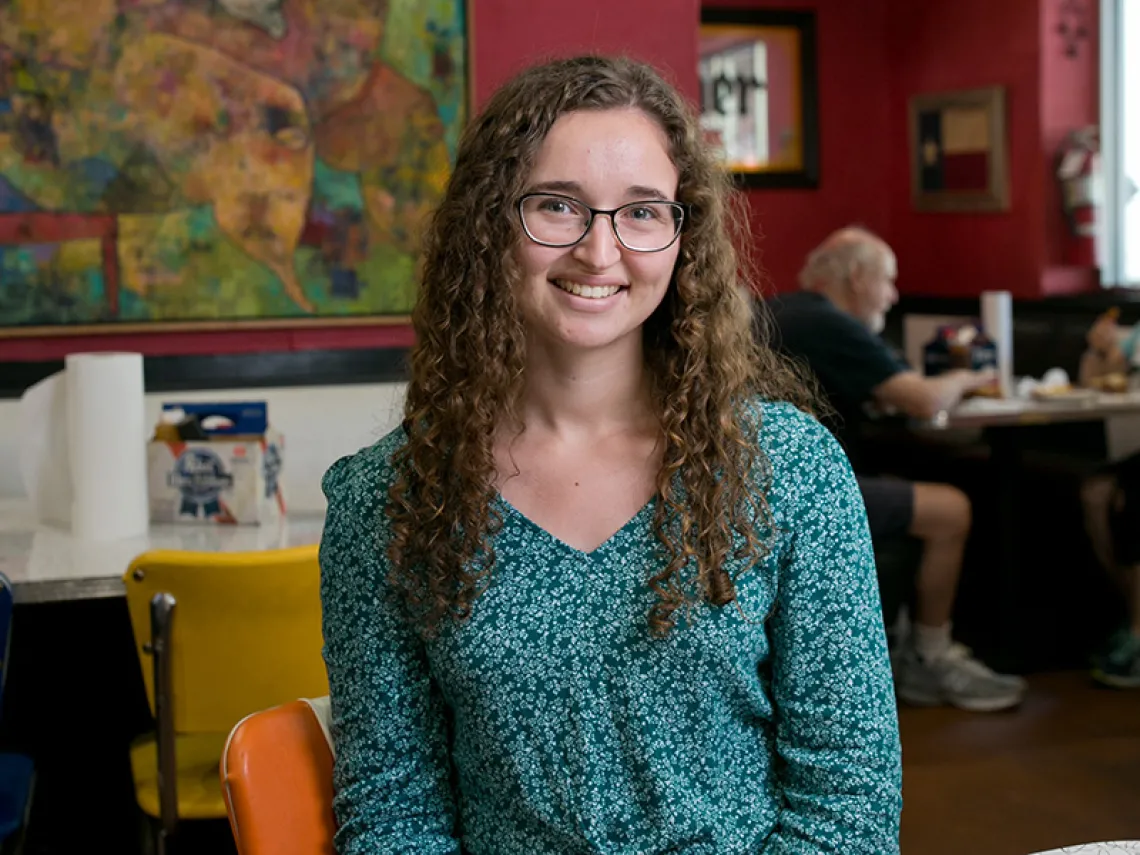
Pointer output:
x,y
468,363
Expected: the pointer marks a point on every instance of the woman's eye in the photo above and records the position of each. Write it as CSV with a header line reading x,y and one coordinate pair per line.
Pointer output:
x,y
556,206
644,212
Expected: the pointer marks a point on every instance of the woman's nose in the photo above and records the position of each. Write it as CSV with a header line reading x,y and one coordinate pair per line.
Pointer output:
x,y
600,247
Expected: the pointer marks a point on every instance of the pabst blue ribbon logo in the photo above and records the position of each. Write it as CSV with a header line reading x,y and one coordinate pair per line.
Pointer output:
x,y
200,477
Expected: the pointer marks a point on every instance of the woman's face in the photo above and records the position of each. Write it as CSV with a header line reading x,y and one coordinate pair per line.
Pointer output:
x,y
597,293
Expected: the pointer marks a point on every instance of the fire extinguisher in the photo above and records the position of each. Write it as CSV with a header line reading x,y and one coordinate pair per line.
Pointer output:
x,y
1082,195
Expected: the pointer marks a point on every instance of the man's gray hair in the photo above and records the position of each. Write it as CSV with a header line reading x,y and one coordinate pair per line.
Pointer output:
x,y
843,254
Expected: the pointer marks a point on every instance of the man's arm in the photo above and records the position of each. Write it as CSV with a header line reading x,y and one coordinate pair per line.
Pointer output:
x,y
925,397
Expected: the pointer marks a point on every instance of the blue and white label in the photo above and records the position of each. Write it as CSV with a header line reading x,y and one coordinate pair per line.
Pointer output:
x,y
200,477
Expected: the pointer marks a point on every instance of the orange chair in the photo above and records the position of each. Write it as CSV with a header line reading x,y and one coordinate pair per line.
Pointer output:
x,y
276,776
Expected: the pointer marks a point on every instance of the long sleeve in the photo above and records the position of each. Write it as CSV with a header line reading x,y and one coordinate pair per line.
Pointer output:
x,y
837,723
391,773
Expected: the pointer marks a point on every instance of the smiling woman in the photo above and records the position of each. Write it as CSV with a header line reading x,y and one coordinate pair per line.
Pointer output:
x,y
609,588
612,158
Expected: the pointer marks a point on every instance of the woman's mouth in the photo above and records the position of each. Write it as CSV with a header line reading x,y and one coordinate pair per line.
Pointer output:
x,y
590,292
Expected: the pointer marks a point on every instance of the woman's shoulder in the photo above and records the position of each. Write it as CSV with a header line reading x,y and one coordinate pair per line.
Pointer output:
x,y
361,478
785,429
805,461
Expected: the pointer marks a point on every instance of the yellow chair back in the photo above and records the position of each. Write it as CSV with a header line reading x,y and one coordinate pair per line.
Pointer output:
x,y
245,633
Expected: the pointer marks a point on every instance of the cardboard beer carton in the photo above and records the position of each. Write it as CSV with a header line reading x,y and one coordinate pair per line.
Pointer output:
x,y
217,463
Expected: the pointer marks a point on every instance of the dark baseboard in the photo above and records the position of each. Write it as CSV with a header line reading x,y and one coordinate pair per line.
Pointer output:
x,y
237,371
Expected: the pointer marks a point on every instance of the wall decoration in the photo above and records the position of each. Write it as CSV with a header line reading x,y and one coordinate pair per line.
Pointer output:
x,y
218,162
958,151
759,94
1072,26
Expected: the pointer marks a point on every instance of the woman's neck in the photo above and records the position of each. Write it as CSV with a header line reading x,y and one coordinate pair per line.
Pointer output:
x,y
586,393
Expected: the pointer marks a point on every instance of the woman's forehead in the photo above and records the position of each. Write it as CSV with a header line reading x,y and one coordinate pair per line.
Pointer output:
x,y
609,152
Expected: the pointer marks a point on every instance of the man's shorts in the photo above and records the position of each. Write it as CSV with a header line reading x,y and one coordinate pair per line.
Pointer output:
x,y
890,505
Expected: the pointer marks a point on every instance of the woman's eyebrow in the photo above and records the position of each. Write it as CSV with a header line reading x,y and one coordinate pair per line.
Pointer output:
x,y
568,187
640,191
573,188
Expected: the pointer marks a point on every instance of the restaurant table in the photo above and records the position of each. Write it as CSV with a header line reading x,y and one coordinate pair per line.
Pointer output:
x,y
999,421
46,563
1018,412
74,699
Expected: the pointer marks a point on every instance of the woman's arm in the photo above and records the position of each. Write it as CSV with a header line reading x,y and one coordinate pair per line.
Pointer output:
x,y
837,725
391,773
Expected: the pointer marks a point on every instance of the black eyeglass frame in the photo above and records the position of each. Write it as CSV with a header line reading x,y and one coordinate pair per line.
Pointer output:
x,y
681,208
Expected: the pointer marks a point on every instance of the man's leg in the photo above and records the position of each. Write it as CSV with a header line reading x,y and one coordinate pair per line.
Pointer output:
x,y
941,520
1134,608
1112,518
931,668
1097,496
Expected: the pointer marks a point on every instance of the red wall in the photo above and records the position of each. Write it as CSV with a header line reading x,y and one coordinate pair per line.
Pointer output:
x,y
875,54
1066,84
872,55
959,44
853,118
510,35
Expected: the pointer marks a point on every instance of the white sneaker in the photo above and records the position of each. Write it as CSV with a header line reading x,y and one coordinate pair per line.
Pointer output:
x,y
955,678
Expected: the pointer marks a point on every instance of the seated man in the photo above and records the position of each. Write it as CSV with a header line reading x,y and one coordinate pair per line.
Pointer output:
x,y
1111,501
832,324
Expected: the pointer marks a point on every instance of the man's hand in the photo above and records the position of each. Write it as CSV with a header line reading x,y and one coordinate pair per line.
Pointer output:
x,y
924,397
972,381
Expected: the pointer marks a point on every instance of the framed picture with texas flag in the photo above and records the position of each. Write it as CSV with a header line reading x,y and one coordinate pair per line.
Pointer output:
x,y
958,151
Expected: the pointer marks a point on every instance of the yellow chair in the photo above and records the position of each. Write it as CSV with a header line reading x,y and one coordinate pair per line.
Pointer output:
x,y
219,636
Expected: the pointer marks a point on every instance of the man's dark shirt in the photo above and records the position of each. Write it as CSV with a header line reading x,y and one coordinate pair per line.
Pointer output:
x,y
847,358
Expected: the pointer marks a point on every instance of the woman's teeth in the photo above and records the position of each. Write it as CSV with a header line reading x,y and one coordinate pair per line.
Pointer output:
x,y
593,292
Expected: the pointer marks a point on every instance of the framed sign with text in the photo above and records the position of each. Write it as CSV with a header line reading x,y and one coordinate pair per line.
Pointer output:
x,y
759,94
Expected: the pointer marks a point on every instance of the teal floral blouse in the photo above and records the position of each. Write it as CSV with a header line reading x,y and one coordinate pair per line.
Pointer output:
x,y
552,722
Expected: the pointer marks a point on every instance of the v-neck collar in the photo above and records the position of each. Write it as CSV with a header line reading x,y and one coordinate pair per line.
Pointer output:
x,y
630,524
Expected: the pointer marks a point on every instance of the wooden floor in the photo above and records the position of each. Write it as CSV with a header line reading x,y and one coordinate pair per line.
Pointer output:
x,y
1062,769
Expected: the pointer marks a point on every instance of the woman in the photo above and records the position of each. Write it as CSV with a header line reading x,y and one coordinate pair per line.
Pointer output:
x,y
1111,501
600,593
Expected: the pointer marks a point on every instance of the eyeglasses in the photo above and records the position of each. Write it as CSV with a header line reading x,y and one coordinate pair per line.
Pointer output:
x,y
561,221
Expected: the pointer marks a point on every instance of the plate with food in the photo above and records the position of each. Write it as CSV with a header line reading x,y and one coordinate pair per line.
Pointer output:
x,y
1063,394
1115,383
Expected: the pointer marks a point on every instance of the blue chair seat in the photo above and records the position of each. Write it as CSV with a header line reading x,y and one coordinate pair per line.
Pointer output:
x,y
16,775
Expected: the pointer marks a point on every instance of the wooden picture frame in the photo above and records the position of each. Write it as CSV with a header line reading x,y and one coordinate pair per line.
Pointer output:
x,y
202,241
959,156
760,94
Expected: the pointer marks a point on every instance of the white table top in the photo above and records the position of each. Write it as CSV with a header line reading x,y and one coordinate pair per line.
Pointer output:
x,y
1002,412
46,564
